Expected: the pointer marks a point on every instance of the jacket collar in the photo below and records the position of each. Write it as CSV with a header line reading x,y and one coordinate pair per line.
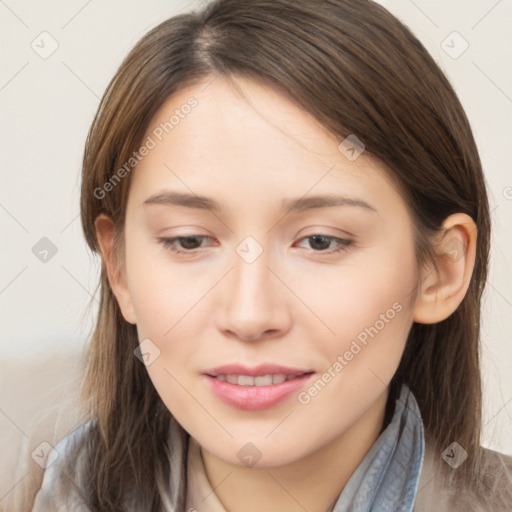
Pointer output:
x,y
387,478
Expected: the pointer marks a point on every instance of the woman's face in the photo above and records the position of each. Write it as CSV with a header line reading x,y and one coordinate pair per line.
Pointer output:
x,y
326,290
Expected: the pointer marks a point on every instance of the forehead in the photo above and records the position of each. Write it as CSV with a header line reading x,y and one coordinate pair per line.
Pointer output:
x,y
236,135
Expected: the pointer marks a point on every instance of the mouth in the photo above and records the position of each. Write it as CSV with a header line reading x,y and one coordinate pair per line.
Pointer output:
x,y
262,375
257,388
261,380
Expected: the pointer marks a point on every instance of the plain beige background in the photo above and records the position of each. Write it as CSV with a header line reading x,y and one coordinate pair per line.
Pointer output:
x,y
47,104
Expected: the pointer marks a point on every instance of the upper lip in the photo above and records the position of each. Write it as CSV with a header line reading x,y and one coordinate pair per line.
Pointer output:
x,y
255,371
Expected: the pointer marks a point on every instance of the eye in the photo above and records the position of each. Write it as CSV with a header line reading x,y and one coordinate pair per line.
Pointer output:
x,y
321,242
190,245
187,244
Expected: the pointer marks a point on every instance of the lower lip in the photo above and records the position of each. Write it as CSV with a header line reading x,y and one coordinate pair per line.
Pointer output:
x,y
255,398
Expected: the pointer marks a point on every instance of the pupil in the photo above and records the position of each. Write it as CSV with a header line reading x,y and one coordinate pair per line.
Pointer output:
x,y
185,242
320,237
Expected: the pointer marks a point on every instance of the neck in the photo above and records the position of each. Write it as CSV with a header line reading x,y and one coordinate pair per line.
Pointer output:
x,y
312,483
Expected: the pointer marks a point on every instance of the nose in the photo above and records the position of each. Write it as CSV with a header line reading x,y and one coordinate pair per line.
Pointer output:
x,y
254,301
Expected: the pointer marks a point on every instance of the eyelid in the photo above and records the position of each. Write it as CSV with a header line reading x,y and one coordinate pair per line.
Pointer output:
x,y
343,244
169,242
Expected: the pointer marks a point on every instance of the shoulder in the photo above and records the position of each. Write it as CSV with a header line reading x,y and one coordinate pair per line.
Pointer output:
x,y
488,487
63,488
495,474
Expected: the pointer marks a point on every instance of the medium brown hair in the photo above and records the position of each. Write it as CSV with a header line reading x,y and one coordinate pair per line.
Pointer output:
x,y
356,69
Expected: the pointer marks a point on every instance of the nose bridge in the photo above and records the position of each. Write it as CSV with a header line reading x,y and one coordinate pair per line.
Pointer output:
x,y
251,277
252,302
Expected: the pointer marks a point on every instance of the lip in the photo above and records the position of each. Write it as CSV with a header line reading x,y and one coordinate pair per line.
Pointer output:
x,y
255,371
256,398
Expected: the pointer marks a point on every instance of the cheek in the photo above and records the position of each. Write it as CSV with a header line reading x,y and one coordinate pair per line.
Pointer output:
x,y
354,296
161,292
162,296
167,301
368,310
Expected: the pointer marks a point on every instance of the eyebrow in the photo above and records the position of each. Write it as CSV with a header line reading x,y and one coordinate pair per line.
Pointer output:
x,y
297,205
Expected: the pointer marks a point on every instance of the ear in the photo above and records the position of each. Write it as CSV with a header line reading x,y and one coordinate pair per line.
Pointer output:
x,y
105,232
441,292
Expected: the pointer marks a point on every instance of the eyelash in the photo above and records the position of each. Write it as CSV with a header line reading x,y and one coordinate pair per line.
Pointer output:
x,y
170,243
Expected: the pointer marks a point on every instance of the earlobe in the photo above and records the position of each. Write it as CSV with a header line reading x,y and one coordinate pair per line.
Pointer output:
x,y
105,232
442,290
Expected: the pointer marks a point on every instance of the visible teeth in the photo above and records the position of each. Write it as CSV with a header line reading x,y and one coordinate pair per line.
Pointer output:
x,y
232,379
245,380
262,380
279,377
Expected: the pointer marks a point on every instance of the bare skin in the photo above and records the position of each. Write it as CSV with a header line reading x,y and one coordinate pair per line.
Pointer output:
x,y
299,303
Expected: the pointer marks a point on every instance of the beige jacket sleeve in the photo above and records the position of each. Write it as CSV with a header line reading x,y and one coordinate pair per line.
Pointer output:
x,y
489,489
